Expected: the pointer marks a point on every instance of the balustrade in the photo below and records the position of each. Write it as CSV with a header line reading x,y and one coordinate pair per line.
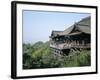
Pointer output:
x,y
71,44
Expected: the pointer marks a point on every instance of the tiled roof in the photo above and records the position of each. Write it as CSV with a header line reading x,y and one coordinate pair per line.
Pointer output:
x,y
83,25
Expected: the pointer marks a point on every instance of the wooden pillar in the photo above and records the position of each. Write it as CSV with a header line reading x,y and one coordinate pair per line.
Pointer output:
x,y
77,42
83,42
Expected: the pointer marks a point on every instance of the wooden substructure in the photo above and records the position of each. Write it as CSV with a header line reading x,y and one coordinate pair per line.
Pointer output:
x,y
59,52
62,44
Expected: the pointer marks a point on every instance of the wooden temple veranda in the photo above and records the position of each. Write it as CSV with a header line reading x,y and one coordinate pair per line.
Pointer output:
x,y
76,36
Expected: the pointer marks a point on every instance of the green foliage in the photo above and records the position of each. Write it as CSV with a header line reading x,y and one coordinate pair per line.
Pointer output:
x,y
39,56
79,58
84,59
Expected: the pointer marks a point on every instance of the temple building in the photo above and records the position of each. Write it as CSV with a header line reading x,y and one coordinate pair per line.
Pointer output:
x,y
76,36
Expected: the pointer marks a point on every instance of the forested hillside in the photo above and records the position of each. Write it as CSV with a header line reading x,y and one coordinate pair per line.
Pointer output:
x,y
38,55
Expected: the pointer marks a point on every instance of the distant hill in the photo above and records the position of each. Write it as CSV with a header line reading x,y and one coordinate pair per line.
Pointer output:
x,y
38,44
41,49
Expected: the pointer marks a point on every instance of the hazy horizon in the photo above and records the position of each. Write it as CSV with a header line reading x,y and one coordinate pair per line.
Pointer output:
x,y
38,25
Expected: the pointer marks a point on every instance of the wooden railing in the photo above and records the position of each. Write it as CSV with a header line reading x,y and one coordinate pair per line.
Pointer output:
x,y
67,46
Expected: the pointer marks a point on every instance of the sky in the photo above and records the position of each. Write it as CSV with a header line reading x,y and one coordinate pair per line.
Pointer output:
x,y
38,25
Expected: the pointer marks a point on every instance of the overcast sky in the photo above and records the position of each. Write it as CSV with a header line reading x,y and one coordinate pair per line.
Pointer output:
x,y
38,25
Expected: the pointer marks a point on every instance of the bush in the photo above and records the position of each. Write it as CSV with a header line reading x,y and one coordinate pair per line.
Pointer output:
x,y
43,58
